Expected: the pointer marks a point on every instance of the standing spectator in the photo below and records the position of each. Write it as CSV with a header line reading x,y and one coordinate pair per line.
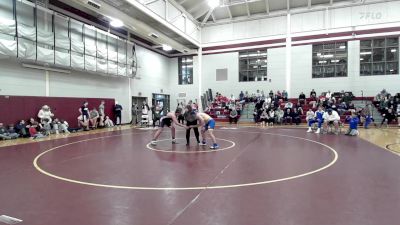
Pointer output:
x,y
84,110
191,122
284,95
181,118
156,113
241,96
102,113
302,99
135,110
45,114
118,113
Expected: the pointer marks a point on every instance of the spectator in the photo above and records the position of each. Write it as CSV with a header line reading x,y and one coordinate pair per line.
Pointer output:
x,y
181,118
271,115
264,117
233,116
108,123
296,117
34,133
331,118
21,129
287,117
5,134
284,95
12,131
310,115
60,126
102,113
271,94
328,95
118,113
313,93
288,105
156,113
84,110
388,117
313,101
94,116
83,123
302,99
279,115
318,118
241,96
342,108
45,114
353,123
346,98
232,98
299,109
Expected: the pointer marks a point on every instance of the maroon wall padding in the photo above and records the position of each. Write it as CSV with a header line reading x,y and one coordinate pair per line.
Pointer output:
x,y
16,108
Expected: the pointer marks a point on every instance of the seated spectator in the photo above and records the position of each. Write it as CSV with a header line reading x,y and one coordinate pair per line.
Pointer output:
x,y
328,95
398,114
233,116
299,109
255,116
108,123
278,94
296,116
60,126
302,99
32,122
264,117
313,101
45,115
271,115
310,115
318,118
279,115
83,123
94,116
313,93
287,116
288,105
342,108
46,126
35,131
5,134
367,114
331,118
346,98
351,108
271,94
102,113
353,124
21,129
12,131
388,117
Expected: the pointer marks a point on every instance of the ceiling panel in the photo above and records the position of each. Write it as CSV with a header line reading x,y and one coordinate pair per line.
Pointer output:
x,y
298,3
277,5
221,13
257,7
238,10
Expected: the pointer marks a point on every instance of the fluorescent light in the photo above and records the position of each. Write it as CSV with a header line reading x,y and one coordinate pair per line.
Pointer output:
x,y
391,70
327,56
393,50
264,66
342,47
187,61
116,23
255,67
319,54
322,62
188,66
213,3
335,60
253,55
365,53
361,59
243,56
166,47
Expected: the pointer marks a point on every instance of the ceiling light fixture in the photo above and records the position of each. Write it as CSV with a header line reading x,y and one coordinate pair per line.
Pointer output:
x,y
166,47
116,22
213,3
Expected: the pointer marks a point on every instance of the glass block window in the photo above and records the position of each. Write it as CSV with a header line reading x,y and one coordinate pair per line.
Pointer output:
x,y
329,60
253,66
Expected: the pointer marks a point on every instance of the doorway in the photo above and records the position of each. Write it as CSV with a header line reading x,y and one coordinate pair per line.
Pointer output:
x,y
136,109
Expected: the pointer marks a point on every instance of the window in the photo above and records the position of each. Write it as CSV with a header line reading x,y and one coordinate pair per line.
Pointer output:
x,y
379,56
253,66
185,70
329,60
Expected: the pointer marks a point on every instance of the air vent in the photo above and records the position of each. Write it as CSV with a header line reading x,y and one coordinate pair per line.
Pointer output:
x,y
153,35
94,4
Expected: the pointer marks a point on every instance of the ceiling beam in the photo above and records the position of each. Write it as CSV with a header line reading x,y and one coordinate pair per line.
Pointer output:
x,y
195,6
309,4
288,5
331,2
207,16
150,2
200,13
267,6
229,12
213,18
181,2
248,9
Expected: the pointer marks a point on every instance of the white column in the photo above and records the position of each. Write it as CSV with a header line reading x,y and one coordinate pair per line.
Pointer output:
x,y
130,98
47,83
288,56
200,76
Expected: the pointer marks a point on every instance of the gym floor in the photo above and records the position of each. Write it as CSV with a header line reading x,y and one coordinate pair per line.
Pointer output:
x,y
273,176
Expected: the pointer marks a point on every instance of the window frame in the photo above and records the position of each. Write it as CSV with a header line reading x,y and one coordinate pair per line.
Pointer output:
x,y
185,70
256,65
330,60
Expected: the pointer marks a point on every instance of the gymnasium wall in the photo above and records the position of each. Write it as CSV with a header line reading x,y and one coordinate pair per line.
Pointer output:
x,y
152,77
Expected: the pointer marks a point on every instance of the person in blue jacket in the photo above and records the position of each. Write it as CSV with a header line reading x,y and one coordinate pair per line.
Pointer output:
x,y
353,124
